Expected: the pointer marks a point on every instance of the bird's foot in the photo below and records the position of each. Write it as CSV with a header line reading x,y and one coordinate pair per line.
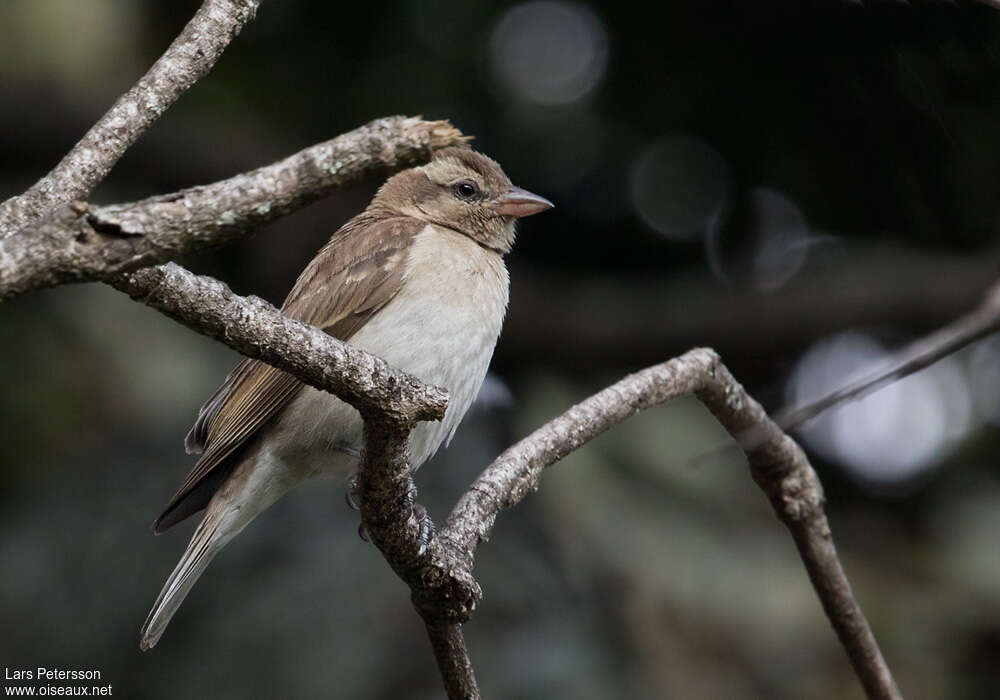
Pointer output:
x,y
419,513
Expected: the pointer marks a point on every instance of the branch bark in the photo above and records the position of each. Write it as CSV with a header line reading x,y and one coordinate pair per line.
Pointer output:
x,y
80,242
188,58
257,329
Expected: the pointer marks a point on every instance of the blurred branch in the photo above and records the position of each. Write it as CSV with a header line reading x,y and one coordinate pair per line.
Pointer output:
x,y
80,242
189,57
620,322
980,322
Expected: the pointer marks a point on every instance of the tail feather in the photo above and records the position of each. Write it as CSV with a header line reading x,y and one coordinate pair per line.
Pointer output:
x,y
206,542
251,487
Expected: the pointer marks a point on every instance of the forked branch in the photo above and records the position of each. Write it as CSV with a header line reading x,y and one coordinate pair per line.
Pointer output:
x,y
188,58
46,239
777,463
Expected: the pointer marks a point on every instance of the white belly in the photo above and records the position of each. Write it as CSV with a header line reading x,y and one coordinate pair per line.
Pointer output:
x,y
442,327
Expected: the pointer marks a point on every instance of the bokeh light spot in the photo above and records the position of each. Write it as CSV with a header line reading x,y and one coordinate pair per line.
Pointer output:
x,y
678,184
549,53
893,434
764,246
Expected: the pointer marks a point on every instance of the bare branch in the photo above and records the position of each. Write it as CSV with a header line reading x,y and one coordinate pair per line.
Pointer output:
x,y
439,571
391,403
777,463
255,328
402,531
191,55
80,242
452,658
977,324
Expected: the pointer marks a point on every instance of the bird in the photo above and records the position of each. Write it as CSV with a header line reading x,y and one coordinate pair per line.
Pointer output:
x,y
418,278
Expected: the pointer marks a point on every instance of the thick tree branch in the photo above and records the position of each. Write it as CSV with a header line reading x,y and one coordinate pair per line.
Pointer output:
x,y
255,328
80,242
191,55
391,403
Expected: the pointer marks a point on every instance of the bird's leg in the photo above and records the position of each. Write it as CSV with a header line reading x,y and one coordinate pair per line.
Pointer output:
x,y
420,514
426,527
353,498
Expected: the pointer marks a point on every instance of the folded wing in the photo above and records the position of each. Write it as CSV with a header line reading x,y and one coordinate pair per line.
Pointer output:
x,y
349,280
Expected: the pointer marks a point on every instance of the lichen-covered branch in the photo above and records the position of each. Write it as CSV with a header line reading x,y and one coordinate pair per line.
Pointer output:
x,y
191,55
255,328
81,242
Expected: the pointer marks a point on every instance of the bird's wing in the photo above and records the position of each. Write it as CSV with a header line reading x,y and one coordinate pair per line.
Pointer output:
x,y
351,278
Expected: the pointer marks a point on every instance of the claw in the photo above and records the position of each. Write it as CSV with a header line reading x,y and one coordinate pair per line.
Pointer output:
x,y
411,495
353,494
363,532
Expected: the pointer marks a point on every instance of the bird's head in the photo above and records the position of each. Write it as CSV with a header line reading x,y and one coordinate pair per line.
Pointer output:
x,y
462,190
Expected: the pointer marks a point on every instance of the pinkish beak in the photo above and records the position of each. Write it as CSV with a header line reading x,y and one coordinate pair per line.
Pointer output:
x,y
518,203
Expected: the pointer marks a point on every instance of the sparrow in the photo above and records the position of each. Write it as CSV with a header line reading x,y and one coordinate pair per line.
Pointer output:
x,y
418,278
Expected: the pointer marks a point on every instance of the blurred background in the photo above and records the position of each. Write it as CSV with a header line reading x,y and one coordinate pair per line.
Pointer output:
x,y
803,186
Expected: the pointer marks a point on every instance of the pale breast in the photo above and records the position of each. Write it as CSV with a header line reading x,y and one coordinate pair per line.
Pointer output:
x,y
441,327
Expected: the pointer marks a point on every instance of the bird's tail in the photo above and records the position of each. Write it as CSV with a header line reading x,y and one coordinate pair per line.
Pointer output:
x,y
212,534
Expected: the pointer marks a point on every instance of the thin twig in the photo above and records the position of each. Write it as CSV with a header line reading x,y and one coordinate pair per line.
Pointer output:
x,y
977,324
189,57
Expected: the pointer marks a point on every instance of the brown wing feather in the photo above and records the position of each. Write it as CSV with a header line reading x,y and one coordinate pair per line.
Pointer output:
x,y
352,277
197,437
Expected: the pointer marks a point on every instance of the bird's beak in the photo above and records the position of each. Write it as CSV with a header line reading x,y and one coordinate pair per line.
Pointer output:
x,y
518,203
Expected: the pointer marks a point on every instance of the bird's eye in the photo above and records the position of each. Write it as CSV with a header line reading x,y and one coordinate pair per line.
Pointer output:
x,y
466,190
